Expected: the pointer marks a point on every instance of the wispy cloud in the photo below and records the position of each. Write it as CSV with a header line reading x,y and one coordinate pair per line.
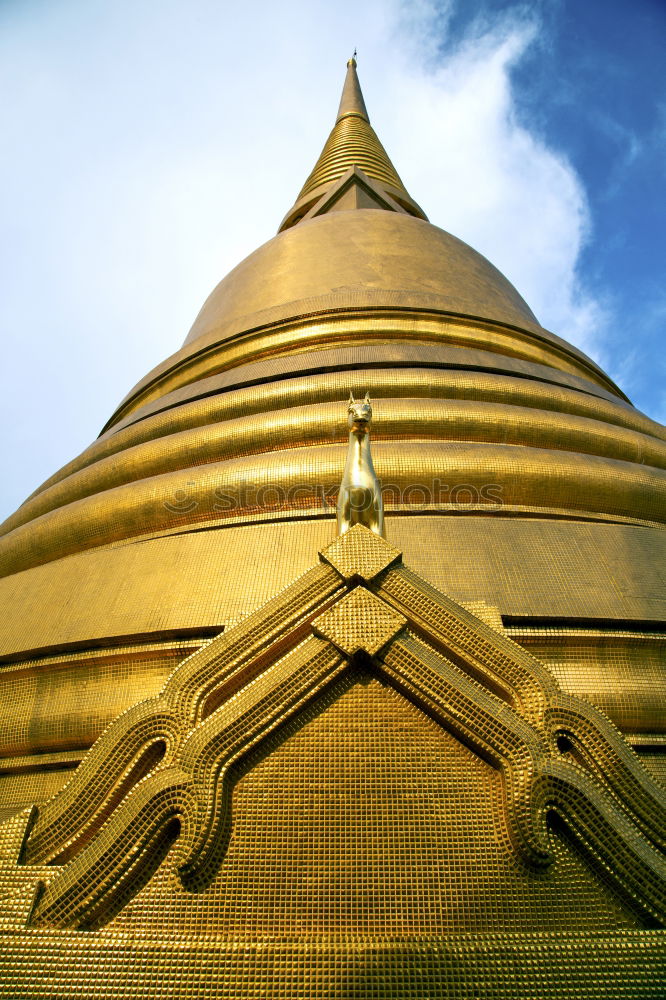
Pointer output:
x,y
490,180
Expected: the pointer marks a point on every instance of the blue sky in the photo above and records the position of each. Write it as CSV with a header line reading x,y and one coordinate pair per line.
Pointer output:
x,y
148,146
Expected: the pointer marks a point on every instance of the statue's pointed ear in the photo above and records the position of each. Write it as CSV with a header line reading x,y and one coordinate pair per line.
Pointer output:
x,y
367,397
351,397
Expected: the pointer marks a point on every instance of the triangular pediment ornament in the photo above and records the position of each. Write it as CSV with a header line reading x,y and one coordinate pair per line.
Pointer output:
x,y
352,191
160,773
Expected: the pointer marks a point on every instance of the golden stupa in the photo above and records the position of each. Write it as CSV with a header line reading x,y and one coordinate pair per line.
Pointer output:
x,y
251,750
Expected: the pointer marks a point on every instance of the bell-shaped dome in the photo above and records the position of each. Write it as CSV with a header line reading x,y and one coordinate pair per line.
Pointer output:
x,y
357,260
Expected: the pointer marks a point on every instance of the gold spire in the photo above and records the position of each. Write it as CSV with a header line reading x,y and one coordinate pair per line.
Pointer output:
x,y
351,102
354,147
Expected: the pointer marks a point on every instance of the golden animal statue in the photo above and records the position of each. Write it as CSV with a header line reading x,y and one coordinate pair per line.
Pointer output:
x,y
360,496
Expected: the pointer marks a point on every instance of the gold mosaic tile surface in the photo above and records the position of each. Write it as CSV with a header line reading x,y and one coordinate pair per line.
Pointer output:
x,y
363,818
622,672
22,789
359,622
528,568
451,736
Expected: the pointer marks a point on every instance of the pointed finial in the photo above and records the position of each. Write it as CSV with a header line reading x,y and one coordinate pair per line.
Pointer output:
x,y
351,102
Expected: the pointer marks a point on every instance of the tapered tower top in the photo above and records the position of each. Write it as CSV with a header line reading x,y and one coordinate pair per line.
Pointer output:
x,y
354,169
351,102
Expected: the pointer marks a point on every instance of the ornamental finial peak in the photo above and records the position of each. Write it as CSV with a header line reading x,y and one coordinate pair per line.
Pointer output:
x,y
351,102
351,146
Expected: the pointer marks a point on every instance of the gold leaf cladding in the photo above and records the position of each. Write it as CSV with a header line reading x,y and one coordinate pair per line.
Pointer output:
x,y
112,762
595,783
160,772
193,791
360,553
360,621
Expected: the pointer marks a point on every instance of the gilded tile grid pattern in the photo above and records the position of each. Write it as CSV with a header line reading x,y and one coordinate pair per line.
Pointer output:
x,y
342,818
63,702
25,788
531,567
622,672
324,844
656,764
523,966
322,863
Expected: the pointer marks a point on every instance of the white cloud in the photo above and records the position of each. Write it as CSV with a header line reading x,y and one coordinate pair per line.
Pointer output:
x,y
482,175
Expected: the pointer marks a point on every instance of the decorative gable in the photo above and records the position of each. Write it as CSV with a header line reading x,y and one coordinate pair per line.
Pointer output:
x,y
161,775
